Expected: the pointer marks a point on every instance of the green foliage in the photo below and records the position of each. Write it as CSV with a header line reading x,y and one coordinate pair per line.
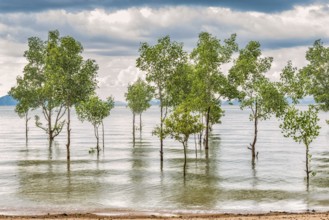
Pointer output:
x,y
181,124
302,126
24,95
210,83
138,96
180,83
160,62
293,83
255,91
94,110
72,77
317,72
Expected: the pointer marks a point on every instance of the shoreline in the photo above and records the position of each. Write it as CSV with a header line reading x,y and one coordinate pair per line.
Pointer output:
x,y
312,215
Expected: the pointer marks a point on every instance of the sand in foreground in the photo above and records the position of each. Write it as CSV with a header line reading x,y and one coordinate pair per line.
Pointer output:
x,y
269,216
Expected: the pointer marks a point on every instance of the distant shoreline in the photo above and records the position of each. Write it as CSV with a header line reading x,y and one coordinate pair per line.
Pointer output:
x,y
268,216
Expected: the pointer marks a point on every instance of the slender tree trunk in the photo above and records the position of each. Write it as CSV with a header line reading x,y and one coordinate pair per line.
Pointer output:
x,y
140,123
68,133
134,129
97,139
196,147
253,145
185,146
51,139
161,134
103,136
207,129
50,130
201,133
307,168
27,127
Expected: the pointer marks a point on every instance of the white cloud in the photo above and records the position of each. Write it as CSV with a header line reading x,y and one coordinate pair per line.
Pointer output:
x,y
282,56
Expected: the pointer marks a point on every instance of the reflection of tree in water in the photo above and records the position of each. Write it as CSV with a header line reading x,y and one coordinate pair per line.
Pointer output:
x,y
137,174
201,187
49,181
319,184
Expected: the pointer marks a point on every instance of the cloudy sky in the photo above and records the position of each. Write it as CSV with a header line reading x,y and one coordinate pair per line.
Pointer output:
x,y
111,30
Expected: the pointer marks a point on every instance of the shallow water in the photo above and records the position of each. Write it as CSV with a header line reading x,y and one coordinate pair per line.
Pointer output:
x,y
34,179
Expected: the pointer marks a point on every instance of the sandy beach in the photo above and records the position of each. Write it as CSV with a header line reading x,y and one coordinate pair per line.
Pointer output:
x,y
267,216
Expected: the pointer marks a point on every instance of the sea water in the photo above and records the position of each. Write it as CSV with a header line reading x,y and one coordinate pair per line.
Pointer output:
x,y
36,179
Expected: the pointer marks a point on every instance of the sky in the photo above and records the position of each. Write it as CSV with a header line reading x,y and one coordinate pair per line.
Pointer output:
x,y
111,31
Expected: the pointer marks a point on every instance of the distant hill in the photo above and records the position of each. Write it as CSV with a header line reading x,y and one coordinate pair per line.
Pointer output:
x,y
155,102
119,103
232,102
7,100
305,101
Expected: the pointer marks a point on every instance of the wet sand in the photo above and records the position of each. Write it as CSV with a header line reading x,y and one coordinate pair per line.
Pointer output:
x,y
268,216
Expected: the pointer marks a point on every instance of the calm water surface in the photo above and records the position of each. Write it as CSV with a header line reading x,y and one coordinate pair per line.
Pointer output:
x,y
34,179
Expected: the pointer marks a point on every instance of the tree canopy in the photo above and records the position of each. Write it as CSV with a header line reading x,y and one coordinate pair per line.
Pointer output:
x,y
317,73
138,96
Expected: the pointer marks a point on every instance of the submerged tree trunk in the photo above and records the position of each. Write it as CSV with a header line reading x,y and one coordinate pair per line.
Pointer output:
x,y
68,133
134,129
307,168
207,129
140,123
97,138
196,147
50,130
201,132
26,127
103,136
253,145
161,134
185,146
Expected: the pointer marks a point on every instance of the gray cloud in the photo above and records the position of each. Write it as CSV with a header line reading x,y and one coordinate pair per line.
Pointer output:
x,y
78,5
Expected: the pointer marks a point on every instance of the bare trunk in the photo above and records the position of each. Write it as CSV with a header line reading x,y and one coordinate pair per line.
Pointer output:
x,y
161,134
68,133
207,129
97,139
134,129
140,123
253,145
51,139
307,168
201,133
185,146
26,127
196,147
103,136
50,131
